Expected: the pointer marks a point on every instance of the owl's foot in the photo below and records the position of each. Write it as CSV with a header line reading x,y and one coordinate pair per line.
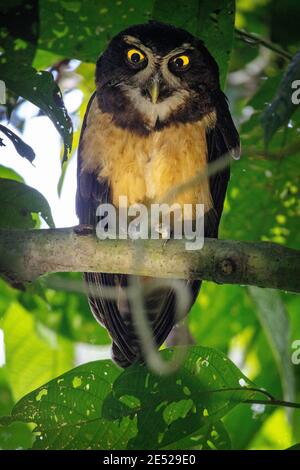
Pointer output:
x,y
84,229
163,230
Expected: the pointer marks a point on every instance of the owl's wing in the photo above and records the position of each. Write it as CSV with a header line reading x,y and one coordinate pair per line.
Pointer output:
x,y
115,315
90,193
221,140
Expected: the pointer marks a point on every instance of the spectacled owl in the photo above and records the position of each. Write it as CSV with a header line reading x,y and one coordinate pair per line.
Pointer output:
x,y
158,116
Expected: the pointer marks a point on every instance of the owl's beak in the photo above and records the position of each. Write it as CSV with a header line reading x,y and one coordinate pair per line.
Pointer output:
x,y
153,90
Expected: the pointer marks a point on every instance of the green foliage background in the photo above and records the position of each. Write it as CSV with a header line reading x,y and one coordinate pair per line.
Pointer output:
x,y
96,405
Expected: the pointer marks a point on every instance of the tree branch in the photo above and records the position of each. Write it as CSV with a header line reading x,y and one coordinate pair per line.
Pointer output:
x,y
255,40
28,254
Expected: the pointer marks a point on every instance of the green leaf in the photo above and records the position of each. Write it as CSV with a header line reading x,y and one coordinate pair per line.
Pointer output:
x,y
282,107
273,317
295,447
98,406
170,407
217,438
214,437
210,20
10,174
68,410
258,358
18,38
274,210
18,202
41,89
23,149
82,29
33,354
19,29
15,435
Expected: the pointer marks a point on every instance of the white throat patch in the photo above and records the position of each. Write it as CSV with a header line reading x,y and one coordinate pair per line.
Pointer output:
x,y
151,112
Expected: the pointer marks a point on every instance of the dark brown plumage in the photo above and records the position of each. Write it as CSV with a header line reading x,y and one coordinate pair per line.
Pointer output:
x,y
157,116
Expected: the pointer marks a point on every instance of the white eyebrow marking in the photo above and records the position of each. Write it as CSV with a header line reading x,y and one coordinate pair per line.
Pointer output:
x,y
179,50
133,41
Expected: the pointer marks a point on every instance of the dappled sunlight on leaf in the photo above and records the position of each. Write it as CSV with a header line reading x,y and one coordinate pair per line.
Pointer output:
x,y
99,406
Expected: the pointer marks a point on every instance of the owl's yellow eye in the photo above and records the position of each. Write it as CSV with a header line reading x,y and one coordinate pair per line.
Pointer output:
x,y
181,62
135,56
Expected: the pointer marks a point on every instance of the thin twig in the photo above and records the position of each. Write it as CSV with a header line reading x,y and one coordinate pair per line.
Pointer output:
x,y
287,404
242,389
253,39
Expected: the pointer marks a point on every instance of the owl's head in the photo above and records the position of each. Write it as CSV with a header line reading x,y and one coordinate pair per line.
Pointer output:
x,y
155,74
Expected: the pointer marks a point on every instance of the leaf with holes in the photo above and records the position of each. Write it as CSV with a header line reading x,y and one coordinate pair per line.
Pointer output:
x,y
82,29
170,408
214,437
41,89
68,411
98,406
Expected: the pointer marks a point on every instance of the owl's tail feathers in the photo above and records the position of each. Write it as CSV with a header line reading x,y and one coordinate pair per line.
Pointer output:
x,y
116,315
119,357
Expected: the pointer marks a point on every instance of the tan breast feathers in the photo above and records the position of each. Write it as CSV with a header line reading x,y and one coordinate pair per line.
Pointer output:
x,y
145,168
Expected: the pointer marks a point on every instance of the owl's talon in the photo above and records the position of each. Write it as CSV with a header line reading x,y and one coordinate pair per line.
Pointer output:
x,y
84,229
165,242
163,230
